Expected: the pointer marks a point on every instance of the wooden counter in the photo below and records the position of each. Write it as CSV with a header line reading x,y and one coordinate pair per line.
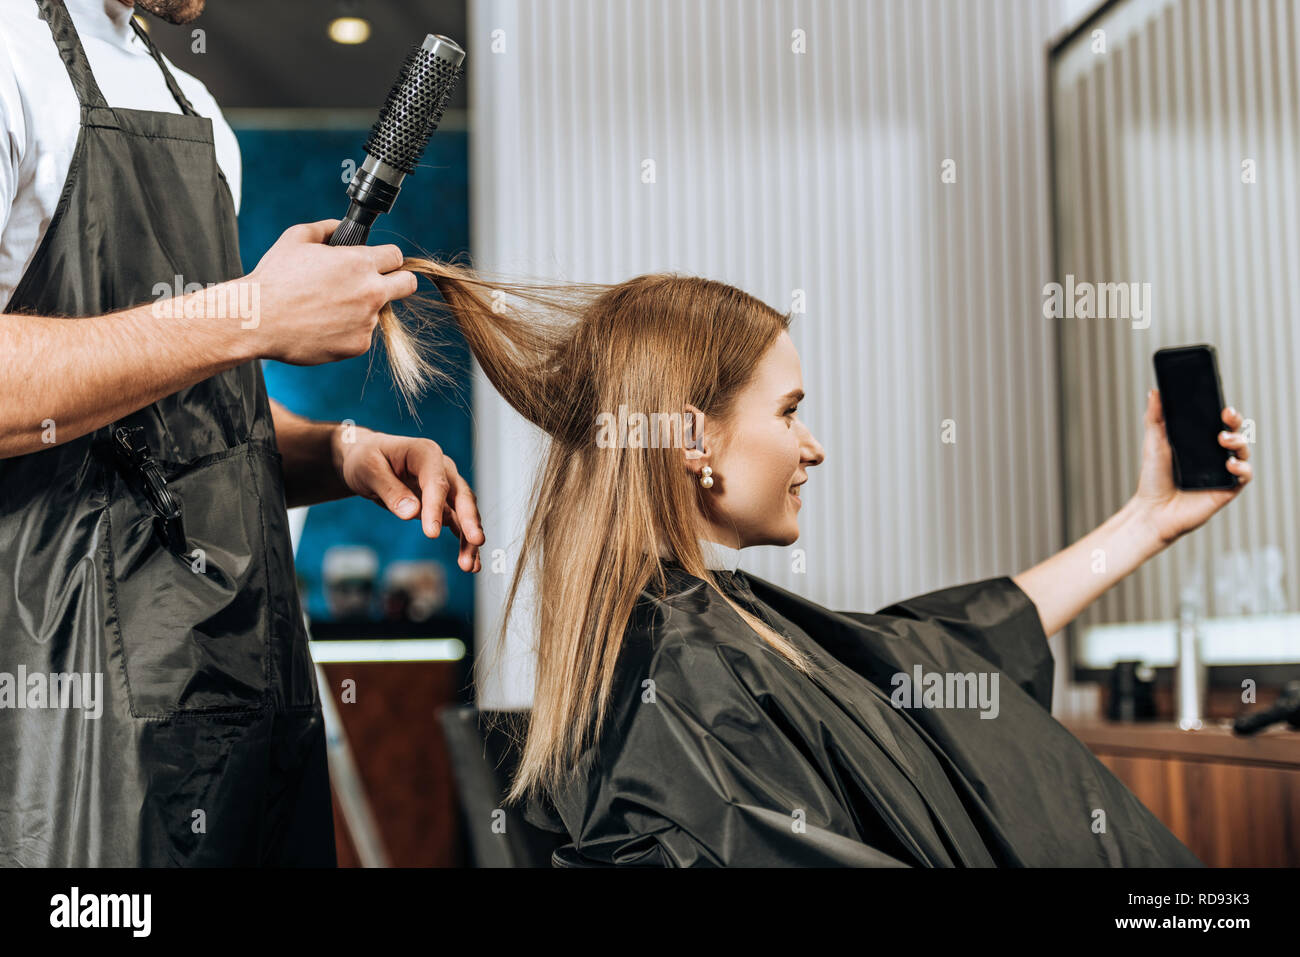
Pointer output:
x,y
401,755
1235,801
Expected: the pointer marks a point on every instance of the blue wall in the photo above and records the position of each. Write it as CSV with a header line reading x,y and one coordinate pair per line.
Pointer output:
x,y
295,176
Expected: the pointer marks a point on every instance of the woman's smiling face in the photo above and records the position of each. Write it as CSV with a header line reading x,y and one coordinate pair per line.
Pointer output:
x,y
760,457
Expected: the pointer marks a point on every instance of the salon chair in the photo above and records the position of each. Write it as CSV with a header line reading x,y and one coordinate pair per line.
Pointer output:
x,y
483,759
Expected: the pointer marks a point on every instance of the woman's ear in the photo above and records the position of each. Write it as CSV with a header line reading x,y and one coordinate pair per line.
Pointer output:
x,y
695,442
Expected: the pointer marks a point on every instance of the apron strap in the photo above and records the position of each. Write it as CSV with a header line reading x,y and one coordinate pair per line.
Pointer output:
x,y
74,58
72,52
172,85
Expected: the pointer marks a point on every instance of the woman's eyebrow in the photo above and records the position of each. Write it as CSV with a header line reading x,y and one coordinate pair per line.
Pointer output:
x,y
794,395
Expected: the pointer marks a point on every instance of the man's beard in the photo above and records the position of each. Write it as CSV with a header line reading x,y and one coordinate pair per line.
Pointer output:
x,y
173,11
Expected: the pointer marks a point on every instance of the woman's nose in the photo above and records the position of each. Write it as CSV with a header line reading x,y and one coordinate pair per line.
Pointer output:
x,y
811,449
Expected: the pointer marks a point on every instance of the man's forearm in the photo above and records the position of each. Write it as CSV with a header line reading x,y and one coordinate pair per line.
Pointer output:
x,y
1065,584
63,378
311,454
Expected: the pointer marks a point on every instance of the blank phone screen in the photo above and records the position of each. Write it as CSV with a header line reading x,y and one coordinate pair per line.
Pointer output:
x,y
1189,393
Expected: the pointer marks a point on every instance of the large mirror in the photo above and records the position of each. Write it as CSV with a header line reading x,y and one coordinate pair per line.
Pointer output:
x,y
1176,192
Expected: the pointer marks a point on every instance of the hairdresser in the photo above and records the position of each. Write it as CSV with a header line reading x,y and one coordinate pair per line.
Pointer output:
x,y
158,704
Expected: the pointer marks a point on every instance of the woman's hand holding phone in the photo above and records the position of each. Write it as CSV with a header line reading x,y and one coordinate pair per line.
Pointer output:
x,y
1173,512
1158,514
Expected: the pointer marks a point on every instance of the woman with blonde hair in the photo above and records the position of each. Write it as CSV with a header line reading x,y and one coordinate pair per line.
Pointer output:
x,y
687,713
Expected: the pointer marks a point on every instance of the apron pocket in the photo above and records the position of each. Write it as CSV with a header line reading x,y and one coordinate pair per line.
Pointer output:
x,y
194,629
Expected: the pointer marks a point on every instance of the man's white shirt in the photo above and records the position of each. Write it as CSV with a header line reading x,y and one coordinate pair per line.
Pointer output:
x,y
40,116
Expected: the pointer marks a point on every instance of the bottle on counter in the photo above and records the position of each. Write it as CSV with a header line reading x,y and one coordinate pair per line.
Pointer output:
x,y
1189,671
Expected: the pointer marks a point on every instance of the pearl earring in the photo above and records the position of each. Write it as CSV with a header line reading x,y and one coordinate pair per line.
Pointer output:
x,y
706,477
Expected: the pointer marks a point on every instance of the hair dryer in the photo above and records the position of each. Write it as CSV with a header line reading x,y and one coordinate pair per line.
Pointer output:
x,y
1286,708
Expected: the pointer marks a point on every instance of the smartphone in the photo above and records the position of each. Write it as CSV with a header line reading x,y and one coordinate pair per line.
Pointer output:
x,y
1192,397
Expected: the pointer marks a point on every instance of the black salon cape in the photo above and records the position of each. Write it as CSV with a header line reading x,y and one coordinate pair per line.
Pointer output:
x,y
720,753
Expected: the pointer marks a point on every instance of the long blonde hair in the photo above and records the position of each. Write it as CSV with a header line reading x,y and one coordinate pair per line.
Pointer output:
x,y
561,354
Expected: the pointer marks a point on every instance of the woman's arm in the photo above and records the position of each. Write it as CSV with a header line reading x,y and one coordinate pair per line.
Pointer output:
x,y
1156,516
1065,584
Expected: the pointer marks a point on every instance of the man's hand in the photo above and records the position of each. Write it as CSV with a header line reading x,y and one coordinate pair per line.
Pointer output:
x,y
305,303
410,477
318,303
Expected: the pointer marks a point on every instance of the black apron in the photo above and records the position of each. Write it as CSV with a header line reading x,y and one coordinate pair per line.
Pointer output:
x,y
209,745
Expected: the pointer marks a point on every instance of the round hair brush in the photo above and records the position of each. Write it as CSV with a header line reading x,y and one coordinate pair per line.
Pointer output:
x,y
409,116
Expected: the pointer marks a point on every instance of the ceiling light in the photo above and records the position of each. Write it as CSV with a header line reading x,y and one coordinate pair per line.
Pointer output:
x,y
349,30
